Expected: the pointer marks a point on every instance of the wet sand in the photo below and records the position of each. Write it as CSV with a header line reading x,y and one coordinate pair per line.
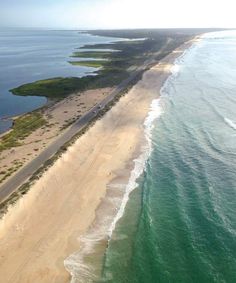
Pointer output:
x,y
43,228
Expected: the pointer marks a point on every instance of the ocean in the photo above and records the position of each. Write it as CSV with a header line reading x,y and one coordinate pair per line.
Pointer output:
x,y
179,224
30,55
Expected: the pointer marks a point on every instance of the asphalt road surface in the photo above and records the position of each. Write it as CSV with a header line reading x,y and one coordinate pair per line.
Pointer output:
x,y
29,169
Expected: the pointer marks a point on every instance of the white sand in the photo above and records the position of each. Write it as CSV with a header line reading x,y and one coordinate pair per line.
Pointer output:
x,y
42,229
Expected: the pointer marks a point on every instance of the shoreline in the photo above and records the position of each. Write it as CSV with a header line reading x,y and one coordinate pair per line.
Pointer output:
x,y
87,263
100,155
22,147
19,148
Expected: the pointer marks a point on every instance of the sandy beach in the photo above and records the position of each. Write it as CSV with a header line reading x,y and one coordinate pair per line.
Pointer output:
x,y
44,226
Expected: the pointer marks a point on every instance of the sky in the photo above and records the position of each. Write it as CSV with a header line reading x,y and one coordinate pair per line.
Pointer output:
x,y
96,14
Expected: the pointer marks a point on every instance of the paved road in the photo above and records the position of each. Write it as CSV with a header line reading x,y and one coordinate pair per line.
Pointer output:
x,y
28,170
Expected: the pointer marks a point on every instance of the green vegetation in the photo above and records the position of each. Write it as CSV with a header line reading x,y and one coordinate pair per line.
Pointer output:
x,y
14,197
54,88
92,63
116,67
177,33
92,54
22,127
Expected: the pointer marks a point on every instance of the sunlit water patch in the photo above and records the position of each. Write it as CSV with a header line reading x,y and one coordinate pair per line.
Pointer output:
x,y
179,224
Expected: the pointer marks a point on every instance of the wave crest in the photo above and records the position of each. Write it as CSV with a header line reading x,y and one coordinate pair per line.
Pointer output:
x,y
230,123
86,263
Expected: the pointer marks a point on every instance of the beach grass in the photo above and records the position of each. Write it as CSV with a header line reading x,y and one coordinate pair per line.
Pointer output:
x,y
54,88
89,63
113,70
22,128
92,54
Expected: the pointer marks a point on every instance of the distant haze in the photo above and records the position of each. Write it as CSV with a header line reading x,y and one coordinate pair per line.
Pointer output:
x,y
91,14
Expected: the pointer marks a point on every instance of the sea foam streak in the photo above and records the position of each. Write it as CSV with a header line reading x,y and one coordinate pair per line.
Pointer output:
x,y
139,163
82,264
230,123
77,264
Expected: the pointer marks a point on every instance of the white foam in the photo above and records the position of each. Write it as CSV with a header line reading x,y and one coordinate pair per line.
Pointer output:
x,y
140,162
75,264
230,123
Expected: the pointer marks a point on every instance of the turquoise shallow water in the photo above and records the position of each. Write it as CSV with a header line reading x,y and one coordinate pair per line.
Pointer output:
x,y
179,224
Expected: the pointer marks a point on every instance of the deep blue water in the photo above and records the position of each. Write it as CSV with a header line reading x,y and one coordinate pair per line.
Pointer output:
x,y
30,55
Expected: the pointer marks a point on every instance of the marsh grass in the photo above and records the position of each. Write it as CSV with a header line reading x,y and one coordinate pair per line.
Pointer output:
x,y
22,128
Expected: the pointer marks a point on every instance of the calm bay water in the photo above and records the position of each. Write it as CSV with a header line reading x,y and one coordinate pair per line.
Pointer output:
x,y
30,55
180,223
